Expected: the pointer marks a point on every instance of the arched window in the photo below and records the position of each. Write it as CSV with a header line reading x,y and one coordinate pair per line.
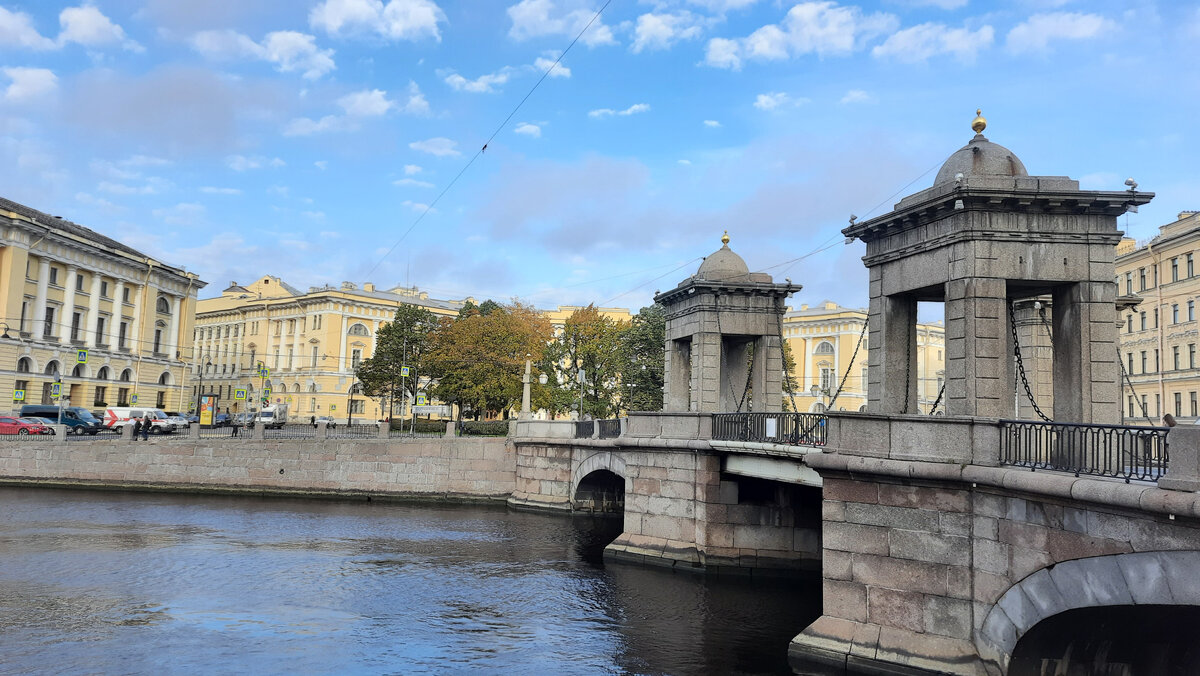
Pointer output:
x,y
163,306
296,387
127,376
359,330
25,365
103,373
165,378
52,368
825,347
80,371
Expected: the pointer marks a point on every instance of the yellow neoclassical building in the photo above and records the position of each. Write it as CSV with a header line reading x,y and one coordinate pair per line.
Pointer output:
x,y
310,341
110,324
822,339
1159,337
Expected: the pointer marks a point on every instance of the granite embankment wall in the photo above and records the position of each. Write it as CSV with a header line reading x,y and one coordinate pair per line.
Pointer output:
x,y
457,468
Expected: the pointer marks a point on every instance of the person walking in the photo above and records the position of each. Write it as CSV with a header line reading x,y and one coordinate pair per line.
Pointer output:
x,y
313,419
137,427
146,428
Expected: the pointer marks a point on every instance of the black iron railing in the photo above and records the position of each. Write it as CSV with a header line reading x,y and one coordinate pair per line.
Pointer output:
x,y
291,431
353,431
585,429
1125,452
804,429
610,428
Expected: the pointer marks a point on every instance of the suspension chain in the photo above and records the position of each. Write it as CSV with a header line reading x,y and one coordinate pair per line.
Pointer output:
x,y
1125,375
862,334
939,398
720,348
749,377
1012,322
907,371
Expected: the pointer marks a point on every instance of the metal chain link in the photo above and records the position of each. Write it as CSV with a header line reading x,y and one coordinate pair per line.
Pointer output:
x,y
721,347
854,356
907,370
1012,322
787,377
749,377
939,398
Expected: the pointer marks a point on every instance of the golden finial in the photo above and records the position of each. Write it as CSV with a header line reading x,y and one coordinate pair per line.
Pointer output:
x,y
979,123
725,238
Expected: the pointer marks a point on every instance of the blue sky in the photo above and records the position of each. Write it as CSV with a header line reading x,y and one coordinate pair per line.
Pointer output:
x,y
304,138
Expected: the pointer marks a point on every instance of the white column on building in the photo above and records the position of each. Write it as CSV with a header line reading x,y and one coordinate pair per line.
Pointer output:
x,y
39,327
268,357
341,367
298,344
118,313
93,315
173,330
135,335
68,306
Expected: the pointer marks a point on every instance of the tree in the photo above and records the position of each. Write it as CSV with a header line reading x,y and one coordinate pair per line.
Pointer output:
x,y
593,342
643,352
402,342
789,382
478,360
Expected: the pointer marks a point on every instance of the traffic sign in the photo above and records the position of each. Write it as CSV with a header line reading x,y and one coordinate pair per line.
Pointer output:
x,y
264,372
133,398
239,394
332,407
404,371
55,390
18,395
422,400
80,356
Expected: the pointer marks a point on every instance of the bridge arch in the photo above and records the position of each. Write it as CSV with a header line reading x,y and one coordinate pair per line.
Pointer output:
x,y
598,483
1143,578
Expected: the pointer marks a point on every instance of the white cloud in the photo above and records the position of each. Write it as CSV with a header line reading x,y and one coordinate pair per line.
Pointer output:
x,y
278,190
210,190
367,103
184,213
29,84
770,101
304,126
145,161
412,182
1035,34
289,51
416,104
482,84
660,31
722,6
542,64
410,169
397,20
926,40
98,202
321,164
857,96
87,26
244,163
153,187
950,4
631,110
540,18
438,147
16,30
821,28
418,206
528,129
712,123
314,215
686,163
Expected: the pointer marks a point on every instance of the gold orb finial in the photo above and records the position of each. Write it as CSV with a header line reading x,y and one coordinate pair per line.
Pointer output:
x,y
725,238
979,123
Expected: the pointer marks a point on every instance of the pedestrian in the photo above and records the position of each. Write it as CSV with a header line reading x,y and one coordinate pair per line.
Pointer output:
x,y
313,419
233,424
137,427
146,428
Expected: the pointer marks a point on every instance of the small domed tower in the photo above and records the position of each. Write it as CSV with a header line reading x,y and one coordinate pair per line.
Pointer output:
x,y
723,351
987,234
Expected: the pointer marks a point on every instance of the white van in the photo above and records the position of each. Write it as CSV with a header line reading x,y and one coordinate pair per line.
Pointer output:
x,y
119,416
272,417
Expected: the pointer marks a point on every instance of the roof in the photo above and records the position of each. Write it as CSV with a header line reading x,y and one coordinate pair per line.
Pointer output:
x,y
59,223
980,157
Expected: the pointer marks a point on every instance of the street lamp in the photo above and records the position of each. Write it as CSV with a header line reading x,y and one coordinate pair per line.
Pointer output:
x,y
200,392
816,391
5,336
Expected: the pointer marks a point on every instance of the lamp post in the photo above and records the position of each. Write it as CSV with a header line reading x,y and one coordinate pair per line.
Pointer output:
x,y
200,390
350,405
818,392
5,336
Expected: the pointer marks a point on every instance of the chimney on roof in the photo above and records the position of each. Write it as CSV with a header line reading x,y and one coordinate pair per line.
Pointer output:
x,y
369,287
1185,214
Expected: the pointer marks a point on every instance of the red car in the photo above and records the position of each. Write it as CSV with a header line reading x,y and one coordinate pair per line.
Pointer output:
x,y
22,426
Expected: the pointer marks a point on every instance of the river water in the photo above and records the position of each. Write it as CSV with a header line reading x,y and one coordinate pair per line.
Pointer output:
x,y
137,583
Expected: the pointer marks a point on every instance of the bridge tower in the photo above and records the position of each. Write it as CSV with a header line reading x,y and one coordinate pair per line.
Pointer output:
x,y
987,233
723,351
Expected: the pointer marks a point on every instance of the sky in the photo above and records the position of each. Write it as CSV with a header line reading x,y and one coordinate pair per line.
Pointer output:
x,y
308,139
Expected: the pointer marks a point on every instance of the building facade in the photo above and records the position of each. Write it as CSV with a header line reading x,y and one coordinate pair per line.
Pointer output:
x,y
823,340
1159,337
107,323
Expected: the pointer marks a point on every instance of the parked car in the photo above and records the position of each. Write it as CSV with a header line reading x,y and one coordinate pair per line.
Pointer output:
x,y
222,420
328,420
79,420
119,416
243,419
22,426
180,422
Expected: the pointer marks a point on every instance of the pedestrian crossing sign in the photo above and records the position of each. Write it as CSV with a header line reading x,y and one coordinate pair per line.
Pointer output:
x,y
80,356
18,395
133,398
239,394
422,400
55,390
404,371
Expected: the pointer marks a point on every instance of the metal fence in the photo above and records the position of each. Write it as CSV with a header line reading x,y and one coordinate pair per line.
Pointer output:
x,y
355,431
27,436
291,431
1125,452
797,429
419,432
585,429
224,432
610,428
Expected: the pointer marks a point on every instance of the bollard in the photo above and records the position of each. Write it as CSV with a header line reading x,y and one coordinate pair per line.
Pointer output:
x,y
257,431
322,429
450,428
194,431
384,429
1183,472
60,433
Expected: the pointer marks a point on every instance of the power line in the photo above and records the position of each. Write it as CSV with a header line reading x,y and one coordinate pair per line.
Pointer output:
x,y
478,153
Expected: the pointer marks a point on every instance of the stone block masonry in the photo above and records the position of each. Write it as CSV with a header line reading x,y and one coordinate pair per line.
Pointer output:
x,y
459,468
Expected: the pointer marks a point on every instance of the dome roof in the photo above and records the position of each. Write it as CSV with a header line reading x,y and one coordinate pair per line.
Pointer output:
x,y
980,157
723,265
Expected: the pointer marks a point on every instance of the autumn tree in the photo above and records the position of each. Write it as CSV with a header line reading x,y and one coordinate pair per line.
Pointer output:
x,y
590,341
478,359
643,353
402,342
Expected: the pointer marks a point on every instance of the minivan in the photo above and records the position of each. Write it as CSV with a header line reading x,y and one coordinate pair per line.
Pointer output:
x,y
79,420
119,416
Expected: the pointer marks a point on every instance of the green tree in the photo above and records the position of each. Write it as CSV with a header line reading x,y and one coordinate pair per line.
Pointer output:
x,y
643,352
402,342
590,341
478,360
789,381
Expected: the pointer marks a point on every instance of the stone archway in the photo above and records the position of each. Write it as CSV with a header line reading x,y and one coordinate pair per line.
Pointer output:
x,y
1142,578
598,484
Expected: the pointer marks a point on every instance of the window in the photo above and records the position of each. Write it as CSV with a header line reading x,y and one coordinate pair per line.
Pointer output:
x,y
1128,282
75,321
315,349
1143,314
122,396
1191,355
355,357
24,312
1141,279
22,385
312,405
1190,272
824,348
358,406
104,289
1178,404
158,340
1156,318
360,330
1193,398
24,365
864,380
102,374
291,357
163,306
827,379
278,328
161,400
1174,313
1130,369
1175,269
1191,310
98,399
1131,414
48,327
125,295
252,362
1145,407
1157,364
79,282
1157,405
100,324
1144,362
121,331
1129,324
1175,355
53,275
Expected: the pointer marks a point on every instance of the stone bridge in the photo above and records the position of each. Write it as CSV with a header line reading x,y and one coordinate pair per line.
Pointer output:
x,y
935,556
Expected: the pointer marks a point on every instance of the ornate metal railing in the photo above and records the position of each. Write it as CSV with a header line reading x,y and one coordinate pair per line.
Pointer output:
x,y
799,429
353,431
610,428
291,431
584,429
1125,452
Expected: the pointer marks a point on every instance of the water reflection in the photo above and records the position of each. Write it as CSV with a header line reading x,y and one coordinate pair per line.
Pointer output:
x,y
112,582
